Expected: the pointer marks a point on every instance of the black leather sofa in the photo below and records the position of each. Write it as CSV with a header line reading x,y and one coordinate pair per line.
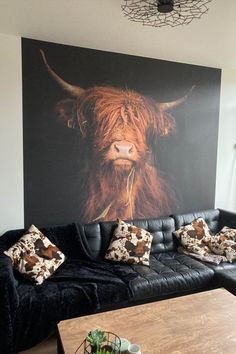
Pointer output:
x,y
86,283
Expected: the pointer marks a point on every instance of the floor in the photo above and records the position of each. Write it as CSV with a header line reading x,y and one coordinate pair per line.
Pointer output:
x,y
47,347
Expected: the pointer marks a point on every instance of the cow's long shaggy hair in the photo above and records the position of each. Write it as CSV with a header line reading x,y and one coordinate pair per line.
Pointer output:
x,y
104,115
110,113
139,194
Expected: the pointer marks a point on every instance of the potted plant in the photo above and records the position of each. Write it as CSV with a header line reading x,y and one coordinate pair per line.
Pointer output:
x,y
104,351
96,338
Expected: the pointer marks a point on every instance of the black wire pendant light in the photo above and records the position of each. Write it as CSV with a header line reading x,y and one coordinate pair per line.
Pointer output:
x,y
159,13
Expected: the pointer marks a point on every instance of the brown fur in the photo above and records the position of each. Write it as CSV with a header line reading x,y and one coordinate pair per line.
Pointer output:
x,y
150,197
127,187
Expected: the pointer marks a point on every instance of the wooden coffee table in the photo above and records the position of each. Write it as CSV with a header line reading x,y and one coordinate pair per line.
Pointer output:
x,y
200,323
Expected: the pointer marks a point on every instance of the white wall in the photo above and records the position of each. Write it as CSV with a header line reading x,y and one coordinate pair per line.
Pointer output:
x,y
11,138
11,147
226,159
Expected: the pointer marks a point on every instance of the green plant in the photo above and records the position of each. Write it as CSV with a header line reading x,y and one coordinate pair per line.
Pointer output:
x,y
96,337
103,351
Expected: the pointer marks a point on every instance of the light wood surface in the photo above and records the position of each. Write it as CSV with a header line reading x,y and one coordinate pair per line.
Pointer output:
x,y
202,323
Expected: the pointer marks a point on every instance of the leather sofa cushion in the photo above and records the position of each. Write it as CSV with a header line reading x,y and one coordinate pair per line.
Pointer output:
x,y
222,266
169,273
227,218
211,216
227,279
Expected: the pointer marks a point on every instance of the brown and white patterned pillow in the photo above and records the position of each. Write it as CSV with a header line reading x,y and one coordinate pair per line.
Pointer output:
x,y
129,244
195,237
35,256
224,243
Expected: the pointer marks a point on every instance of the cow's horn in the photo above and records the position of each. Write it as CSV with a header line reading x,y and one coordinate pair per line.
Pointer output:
x,y
73,90
165,106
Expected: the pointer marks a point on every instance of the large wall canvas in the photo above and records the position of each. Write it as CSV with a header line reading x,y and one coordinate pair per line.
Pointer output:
x,y
110,135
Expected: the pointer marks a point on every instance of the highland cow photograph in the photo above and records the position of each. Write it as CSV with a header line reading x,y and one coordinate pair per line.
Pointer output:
x,y
109,135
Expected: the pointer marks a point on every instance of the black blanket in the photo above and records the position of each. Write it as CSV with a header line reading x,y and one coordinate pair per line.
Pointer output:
x,y
80,286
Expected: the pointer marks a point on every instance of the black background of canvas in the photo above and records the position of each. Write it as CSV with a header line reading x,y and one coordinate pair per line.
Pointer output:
x,y
53,154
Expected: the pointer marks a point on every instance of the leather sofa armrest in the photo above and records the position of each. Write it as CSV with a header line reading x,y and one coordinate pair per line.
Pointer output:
x,y
227,218
9,302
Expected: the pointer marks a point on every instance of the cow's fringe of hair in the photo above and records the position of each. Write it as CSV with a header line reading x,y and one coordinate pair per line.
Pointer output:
x,y
108,107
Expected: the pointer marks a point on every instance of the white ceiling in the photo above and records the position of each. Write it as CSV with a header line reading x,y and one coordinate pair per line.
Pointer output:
x,y
100,24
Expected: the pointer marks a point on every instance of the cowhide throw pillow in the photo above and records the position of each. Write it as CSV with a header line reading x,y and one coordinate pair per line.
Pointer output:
x,y
34,256
195,237
224,243
129,244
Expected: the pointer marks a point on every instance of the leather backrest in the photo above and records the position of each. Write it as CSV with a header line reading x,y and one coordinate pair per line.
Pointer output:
x,y
99,234
211,216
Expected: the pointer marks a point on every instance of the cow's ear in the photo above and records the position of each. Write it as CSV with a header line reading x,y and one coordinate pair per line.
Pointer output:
x,y
65,112
162,125
168,125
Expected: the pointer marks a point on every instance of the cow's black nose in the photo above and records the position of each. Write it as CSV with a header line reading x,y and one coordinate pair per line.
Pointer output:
x,y
124,149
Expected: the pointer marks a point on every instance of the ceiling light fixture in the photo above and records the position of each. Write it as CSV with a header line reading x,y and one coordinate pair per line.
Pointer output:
x,y
159,13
